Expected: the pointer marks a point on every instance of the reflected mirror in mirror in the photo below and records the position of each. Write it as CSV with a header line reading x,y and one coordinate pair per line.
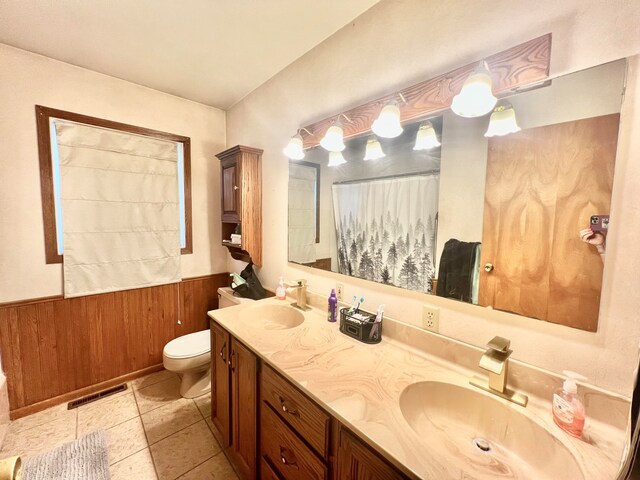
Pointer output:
x,y
509,210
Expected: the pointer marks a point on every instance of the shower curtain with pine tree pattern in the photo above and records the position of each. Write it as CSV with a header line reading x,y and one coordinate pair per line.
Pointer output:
x,y
386,229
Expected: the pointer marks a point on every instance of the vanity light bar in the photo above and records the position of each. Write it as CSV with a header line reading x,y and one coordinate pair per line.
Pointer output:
x,y
530,60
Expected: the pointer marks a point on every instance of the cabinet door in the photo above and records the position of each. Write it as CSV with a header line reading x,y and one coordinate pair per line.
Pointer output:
x,y
230,191
244,398
357,462
220,383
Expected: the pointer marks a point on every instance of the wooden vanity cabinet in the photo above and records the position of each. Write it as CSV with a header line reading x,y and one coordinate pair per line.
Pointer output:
x,y
220,384
356,461
298,439
234,400
294,431
241,200
244,403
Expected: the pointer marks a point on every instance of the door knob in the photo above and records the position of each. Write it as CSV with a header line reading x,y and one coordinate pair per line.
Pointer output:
x,y
488,267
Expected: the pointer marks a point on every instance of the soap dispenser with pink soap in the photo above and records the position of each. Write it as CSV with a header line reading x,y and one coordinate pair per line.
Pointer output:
x,y
568,409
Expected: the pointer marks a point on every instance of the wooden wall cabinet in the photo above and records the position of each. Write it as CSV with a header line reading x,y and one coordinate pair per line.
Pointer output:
x,y
241,200
234,400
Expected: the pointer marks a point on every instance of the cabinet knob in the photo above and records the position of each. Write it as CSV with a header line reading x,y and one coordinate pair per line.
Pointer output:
x,y
488,267
235,187
285,408
287,457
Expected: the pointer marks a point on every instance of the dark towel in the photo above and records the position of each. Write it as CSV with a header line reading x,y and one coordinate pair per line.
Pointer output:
x,y
455,275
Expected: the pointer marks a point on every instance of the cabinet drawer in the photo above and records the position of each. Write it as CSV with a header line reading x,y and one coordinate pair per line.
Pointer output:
x,y
304,416
266,472
283,449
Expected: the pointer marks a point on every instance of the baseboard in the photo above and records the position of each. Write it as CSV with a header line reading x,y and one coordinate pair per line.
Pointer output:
x,y
69,396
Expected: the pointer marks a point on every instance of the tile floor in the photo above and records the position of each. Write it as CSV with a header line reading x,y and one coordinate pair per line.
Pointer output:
x,y
153,433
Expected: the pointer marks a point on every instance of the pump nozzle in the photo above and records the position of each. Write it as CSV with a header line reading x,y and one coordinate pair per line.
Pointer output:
x,y
569,384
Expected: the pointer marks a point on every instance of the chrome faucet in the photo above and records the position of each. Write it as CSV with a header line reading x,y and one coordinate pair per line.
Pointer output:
x,y
496,362
301,287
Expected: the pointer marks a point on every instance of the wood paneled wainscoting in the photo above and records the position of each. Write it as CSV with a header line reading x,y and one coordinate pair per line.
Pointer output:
x,y
56,349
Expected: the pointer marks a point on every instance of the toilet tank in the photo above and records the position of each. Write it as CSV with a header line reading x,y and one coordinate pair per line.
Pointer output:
x,y
227,298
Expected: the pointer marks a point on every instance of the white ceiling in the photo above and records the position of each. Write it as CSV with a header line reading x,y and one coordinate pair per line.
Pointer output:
x,y
212,51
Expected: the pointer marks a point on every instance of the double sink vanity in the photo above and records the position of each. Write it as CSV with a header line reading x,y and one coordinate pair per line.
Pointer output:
x,y
293,398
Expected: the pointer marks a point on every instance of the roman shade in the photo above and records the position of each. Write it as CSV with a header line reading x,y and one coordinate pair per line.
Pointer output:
x,y
120,209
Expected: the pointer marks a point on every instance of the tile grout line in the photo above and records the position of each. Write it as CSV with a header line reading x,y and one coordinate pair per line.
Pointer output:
x,y
177,431
112,426
153,461
151,384
120,394
202,463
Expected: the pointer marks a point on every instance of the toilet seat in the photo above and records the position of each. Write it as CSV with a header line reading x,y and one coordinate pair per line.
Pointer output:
x,y
188,346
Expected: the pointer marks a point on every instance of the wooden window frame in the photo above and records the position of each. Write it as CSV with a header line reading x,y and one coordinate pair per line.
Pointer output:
x,y
43,116
317,167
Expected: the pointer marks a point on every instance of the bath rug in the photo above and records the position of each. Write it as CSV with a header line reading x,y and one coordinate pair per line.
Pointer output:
x,y
82,459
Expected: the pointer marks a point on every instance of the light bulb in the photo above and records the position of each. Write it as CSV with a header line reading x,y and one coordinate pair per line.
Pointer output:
x,y
333,140
294,150
426,137
374,149
387,125
503,121
476,98
336,159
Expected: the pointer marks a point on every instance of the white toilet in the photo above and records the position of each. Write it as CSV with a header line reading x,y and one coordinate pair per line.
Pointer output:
x,y
190,355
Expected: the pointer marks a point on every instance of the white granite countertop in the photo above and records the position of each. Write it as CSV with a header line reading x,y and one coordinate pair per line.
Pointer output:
x,y
361,385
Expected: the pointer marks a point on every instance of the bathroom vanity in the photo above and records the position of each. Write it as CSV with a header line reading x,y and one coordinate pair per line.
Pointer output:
x,y
293,398
297,437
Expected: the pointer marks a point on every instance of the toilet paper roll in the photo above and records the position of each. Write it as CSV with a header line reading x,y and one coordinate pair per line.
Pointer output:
x,y
10,468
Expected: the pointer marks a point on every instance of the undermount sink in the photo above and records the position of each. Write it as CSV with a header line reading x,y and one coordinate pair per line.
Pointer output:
x,y
273,317
484,435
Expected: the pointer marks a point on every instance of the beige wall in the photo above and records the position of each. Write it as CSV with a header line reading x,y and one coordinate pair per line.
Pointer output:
x,y
400,42
27,79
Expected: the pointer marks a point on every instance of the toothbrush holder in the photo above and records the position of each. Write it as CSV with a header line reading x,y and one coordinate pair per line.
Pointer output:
x,y
361,326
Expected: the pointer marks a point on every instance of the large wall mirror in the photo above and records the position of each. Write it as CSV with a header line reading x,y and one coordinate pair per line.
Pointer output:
x,y
516,221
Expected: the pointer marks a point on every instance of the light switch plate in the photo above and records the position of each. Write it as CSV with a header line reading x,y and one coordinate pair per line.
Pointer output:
x,y
339,291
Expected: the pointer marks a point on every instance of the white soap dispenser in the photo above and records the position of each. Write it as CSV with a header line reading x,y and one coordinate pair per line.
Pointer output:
x,y
281,291
568,410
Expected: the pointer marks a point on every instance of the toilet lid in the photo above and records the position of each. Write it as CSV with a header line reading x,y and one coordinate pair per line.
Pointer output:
x,y
190,345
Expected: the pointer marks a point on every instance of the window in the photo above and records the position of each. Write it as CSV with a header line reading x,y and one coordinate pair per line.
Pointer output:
x,y
50,175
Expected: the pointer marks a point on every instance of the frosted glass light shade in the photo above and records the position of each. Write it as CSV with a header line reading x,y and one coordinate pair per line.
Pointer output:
x,y
387,125
426,137
294,150
476,98
333,140
374,149
335,159
503,121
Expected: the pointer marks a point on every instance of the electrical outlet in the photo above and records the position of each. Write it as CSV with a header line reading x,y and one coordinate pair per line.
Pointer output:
x,y
339,291
431,318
